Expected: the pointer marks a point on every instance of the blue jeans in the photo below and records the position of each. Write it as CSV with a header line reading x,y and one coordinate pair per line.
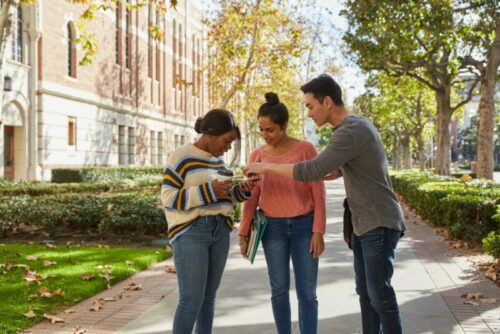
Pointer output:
x,y
285,238
200,256
374,254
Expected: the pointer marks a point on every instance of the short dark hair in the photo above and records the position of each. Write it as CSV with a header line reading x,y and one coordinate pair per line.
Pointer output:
x,y
323,86
216,122
274,109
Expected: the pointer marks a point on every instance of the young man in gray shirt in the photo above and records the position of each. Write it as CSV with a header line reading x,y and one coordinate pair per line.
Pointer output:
x,y
356,153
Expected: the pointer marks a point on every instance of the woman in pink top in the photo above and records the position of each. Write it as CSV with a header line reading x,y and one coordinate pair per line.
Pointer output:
x,y
295,212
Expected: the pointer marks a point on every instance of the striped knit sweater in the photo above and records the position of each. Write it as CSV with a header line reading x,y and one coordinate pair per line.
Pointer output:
x,y
187,193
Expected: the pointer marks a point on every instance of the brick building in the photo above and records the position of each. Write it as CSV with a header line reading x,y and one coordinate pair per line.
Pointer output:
x,y
132,106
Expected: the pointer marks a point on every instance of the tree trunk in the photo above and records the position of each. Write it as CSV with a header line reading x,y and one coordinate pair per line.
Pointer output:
x,y
406,145
421,153
396,153
485,140
442,162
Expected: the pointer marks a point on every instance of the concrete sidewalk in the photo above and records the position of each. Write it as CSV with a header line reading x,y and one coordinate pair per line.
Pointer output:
x,y
429,278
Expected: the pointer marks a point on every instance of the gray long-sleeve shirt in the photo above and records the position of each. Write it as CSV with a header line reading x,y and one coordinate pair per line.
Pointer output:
x,y
357,150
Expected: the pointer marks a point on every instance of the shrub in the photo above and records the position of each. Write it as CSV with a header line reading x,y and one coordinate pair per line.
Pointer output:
x,y
102,174
87,213
469,208
42,188
132,214
491,244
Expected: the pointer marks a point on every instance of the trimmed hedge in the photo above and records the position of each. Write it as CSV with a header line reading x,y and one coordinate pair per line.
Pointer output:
x,y
469,209
19,188
122,214
102,174
110,200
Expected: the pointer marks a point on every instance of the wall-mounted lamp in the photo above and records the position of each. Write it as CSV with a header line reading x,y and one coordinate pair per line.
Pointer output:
x,y
7,83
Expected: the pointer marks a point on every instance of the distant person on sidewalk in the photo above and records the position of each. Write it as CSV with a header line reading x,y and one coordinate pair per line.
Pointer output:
x,y
199,207
296,220
356,152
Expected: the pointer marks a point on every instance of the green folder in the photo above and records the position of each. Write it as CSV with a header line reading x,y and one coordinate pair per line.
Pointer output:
x,y
259,224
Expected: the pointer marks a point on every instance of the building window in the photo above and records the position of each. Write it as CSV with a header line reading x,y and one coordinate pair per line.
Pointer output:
x,y
131,146
177,142
17,36
127,37
174,59
152,147
150,41
158,54
71,50
72,132
122,147
180,53
160,148
117,34
193,62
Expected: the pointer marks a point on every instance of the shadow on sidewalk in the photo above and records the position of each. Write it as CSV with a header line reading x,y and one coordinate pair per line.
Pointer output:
x,y
428,283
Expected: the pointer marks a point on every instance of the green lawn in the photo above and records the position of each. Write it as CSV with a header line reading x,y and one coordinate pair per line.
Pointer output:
x,y
18,297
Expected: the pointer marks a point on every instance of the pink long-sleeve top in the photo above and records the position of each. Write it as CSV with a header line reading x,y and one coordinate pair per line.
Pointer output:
x,y
281,197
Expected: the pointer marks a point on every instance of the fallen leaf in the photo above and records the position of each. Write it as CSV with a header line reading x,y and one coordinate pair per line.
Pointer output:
x,y
171,270
79,330
53,319
48,263
110,299
50,245
107,276
488,300
44,292
471,303
133,287
129,263
32,258
30,314
87,277
69,243
32,277
69,311
96,306
58,292
473,295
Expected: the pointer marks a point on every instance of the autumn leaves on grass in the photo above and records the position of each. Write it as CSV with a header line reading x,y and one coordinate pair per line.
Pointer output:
x,y
35,280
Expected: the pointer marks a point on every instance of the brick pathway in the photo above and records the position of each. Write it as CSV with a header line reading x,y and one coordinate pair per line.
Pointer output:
x,y
155,285
453,276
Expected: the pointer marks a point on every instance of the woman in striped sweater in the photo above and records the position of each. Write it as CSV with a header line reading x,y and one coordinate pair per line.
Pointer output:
x,y
199,207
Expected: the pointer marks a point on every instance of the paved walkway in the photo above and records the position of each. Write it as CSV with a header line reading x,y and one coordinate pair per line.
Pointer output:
x,y
429,278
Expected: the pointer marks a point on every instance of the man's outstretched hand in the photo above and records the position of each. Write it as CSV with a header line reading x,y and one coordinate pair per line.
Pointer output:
x,y
333,175
255,168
